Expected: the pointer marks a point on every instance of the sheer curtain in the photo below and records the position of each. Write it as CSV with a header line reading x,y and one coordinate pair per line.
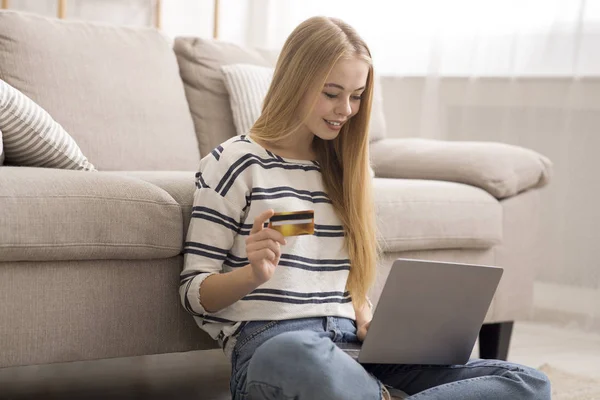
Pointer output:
x,y
525,72
459,38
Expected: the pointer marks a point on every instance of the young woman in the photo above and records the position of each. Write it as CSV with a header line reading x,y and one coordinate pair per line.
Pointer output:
x,y
279,305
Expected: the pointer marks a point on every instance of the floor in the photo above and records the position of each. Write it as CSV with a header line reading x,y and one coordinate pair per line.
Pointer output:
x,y
175,376
570,350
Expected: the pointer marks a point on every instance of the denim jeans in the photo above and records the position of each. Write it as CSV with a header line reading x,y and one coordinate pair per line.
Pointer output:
x,y
298,359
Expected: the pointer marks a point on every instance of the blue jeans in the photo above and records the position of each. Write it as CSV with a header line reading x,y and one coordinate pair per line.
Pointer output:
x,y
299,359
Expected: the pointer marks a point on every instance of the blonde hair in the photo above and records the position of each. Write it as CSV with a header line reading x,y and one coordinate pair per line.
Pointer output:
x,y
311,51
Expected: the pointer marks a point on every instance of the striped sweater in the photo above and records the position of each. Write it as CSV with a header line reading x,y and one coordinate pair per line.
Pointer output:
x,y
236,182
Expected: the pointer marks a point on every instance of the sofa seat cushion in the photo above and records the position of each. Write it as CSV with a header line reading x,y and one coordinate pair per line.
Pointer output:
x,y
412,214
424,214
49,214
179,184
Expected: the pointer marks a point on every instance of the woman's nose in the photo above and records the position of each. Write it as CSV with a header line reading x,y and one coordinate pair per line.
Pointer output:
x,y
344,108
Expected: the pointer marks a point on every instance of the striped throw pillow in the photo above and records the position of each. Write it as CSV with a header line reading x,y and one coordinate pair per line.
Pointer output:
x,y
247,86
32,138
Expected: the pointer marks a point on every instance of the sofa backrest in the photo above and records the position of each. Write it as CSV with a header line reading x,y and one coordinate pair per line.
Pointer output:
x,y
115,90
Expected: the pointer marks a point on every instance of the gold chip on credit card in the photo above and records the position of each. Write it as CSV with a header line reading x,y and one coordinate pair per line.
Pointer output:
x,y
293,223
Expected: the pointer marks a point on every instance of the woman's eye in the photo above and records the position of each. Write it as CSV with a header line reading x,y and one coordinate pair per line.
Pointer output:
x,y
333,96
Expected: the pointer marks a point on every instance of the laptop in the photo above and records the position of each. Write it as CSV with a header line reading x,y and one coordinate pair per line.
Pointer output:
x,y
429,312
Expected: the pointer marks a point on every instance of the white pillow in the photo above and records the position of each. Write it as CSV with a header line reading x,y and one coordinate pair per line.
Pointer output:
x,y
32,138
247,86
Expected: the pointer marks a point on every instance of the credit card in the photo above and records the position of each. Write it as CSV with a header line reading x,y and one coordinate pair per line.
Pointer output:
x,y
293,223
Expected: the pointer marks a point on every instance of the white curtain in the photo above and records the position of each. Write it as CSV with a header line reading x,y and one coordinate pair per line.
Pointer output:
x,y
525,72
454,38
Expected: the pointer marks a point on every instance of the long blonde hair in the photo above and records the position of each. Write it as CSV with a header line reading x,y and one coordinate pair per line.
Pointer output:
x,y
308,56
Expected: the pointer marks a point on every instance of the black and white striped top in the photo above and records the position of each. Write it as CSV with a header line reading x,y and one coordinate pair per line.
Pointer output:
x,y
236,182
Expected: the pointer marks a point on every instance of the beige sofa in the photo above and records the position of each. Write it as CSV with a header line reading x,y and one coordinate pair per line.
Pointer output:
x,y
90,261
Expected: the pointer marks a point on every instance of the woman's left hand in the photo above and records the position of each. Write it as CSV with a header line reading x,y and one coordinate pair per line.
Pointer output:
x,y
361,332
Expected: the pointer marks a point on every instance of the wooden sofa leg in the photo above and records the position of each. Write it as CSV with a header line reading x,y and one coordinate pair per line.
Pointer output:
x,y
494,340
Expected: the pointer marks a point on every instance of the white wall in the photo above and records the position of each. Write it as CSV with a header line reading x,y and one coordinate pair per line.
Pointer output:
x,y
196,18
130,12
187,17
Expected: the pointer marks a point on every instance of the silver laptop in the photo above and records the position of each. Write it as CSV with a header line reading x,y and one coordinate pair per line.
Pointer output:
x,y
429,312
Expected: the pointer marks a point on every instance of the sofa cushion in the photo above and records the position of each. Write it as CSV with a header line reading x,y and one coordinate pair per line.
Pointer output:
x,y
423,215
200,62
412,214
32,138
116,90
501,169
71,215
247,86
179,184
51,214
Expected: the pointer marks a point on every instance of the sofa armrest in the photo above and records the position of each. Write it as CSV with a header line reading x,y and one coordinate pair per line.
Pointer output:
x,y
502,170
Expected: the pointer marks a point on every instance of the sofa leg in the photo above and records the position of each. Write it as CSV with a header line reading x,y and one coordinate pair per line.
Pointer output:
x,y
494,340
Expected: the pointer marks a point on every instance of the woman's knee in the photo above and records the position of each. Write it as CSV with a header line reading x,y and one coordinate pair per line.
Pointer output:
x,y
536,381
542,382
288,350
306,365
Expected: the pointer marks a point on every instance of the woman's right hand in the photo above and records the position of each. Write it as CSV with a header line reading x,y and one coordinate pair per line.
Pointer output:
x,y
263,248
